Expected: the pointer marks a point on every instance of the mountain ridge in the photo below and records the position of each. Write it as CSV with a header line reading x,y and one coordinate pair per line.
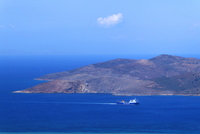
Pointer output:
x,y
160,75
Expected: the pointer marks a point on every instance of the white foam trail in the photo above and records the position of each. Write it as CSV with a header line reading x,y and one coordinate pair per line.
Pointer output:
x,y
88,103
107,103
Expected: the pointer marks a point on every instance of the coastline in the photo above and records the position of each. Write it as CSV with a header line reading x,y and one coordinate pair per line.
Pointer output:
x,y
29,92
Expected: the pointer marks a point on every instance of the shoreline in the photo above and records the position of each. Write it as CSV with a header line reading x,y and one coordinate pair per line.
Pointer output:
x,y
29,92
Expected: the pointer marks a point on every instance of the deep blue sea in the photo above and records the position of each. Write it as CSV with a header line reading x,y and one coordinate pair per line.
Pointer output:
x,y
85,113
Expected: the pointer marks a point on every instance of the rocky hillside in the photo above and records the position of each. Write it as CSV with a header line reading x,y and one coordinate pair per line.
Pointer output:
x,y
161,75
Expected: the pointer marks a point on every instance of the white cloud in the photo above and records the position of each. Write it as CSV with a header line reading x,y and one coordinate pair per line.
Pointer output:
x,y
110,20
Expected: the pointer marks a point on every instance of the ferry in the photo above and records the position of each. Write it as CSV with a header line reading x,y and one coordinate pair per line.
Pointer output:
x,y
131,102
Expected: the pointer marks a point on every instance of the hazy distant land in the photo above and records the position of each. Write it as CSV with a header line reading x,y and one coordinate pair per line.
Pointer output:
x,y
161,75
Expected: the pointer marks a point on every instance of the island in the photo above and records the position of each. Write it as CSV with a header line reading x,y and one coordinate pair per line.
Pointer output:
x,y
161,75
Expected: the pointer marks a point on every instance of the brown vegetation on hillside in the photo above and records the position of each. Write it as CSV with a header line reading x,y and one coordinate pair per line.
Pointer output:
x,y
161,75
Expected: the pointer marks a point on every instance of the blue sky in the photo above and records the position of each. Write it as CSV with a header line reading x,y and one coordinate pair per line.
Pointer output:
x,y
65,27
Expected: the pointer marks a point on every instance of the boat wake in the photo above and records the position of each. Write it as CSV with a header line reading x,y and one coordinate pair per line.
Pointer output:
x,y
75,103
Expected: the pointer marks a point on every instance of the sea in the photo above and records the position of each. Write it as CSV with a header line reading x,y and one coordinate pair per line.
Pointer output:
x,y
85,113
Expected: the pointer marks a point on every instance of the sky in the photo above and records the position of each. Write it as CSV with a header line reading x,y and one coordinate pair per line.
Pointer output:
x,y
103,27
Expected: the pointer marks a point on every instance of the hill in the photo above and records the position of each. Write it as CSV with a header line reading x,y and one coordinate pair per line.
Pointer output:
x,y
161,75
